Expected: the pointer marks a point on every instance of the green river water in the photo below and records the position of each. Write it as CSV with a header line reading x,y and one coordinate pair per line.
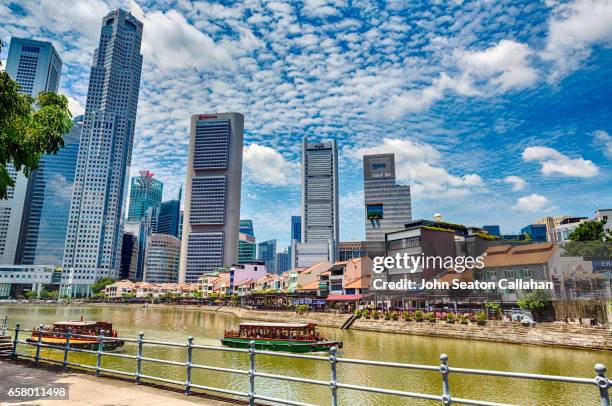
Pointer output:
x,y
176,324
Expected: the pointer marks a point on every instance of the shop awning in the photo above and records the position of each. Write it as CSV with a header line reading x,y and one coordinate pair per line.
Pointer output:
x,y
343,298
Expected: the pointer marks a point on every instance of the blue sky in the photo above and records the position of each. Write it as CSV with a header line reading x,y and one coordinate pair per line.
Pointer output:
x,y
498,112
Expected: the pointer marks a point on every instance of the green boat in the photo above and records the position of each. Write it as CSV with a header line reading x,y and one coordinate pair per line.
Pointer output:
x,y
288,337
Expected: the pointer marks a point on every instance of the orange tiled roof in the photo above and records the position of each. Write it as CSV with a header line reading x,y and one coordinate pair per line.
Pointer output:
x,y
360,283
506,255
314,285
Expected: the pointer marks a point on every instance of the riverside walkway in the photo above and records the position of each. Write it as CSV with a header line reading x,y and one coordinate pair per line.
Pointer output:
x,y
89,390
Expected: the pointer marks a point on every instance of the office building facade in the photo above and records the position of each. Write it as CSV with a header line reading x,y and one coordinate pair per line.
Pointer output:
x,y
351,249
283,262
387,205
247,249
296,228
266,252
492,230
145,192
536,232
246,227
169,218
320,217
95,227
36,67
129,255
212,200
49,193
162,259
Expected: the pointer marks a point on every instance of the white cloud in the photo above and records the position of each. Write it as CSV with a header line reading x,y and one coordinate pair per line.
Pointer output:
x,y
532,203
75,106
265,165
553,161
517,182
505,65
573,29
604,139
171,42
418,165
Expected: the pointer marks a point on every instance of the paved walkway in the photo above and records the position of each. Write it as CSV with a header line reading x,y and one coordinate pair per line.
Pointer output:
x,y
89,390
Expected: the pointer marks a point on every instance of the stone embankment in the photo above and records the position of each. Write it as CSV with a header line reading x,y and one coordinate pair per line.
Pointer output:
x,y
555,334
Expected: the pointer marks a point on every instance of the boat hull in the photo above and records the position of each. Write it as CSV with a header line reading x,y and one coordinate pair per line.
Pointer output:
x,y
80,344
282,345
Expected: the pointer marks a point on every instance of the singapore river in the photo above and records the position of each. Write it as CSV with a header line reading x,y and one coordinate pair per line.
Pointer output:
x,y
176,324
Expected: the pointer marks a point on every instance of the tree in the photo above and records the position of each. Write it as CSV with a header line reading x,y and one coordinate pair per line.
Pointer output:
x,y
100,284
535,302
589,231
29,127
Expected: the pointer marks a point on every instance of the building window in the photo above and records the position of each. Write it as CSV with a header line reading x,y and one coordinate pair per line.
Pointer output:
x,y
374,211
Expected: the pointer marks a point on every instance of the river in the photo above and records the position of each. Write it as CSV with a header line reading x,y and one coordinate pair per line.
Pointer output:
x,y
176,324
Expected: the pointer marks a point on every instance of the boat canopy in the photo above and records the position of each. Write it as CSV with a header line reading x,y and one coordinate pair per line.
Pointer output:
x,y
75,323
276,325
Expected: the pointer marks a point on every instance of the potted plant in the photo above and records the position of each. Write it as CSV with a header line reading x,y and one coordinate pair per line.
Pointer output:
x,y
481,318
367,314
495,308
375,314
407,316
431,317
463,319
395,316
451,318
358,313
418,315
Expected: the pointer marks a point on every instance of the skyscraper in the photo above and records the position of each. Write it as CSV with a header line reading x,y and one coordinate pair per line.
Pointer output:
x,y
266,252
247,248
162,259
296,228
387,205
49,192
145,192
95,228
246,226
212,199
36,67
283,264
320,220
170,216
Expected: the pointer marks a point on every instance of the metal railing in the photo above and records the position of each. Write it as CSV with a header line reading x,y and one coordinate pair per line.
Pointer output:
x,y
3,326
600,381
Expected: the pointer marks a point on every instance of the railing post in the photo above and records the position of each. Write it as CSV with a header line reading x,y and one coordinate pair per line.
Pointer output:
x,y
603,384
67,347
334,376
446,397
4,321
139,358
99,355
37,357
15,342
252,373
188,364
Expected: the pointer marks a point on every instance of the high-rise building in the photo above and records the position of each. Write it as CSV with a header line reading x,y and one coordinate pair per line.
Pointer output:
x,y
246,248
387,205
296,228
49,192
492,230
36,67
162,259
283,263
266,252
95,228
145,192
320,217
170,216
246,227
212,198
129,255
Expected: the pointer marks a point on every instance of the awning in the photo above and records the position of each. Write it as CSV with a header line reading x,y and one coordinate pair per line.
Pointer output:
x,y
343,298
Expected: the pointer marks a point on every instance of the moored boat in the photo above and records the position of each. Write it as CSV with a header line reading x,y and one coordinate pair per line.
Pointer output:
x,y
84,335
289,337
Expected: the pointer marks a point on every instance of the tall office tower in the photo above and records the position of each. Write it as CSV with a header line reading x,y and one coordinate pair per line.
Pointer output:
x,y
246,249
246,226
145,192
170,216
129,255
212,199
267,253
283,263
162,259
49,192
387,205
95,228
320,223
296,228
36,67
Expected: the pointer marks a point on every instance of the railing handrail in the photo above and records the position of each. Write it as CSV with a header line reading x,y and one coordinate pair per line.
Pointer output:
x,y
600,380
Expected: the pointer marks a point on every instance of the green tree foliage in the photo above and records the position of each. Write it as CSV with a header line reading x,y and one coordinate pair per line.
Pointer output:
x,y
100,284
589,231
29,128
535,302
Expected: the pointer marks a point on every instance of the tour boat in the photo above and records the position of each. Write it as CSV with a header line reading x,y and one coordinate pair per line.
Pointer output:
x,y
290,337
84,334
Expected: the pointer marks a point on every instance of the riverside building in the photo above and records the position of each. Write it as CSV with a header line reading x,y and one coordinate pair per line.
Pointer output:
x,y
212,197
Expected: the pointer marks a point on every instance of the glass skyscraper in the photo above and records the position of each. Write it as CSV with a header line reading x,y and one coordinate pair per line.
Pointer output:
x,y
212,194
246,248
36,67
95,227
296,228
145,192
169,218
246,226
43,231
387,205
267,253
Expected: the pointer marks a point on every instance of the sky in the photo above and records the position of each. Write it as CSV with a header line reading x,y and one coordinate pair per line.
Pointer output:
x,y
497,112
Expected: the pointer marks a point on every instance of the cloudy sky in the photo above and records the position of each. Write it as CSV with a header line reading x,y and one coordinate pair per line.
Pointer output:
x,y
497,112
